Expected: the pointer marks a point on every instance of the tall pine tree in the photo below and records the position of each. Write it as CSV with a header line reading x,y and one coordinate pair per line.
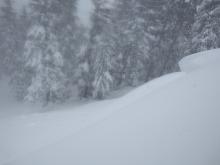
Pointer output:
x,y
9,44
103,50
206,31
43,55
70,34
133,42
21,76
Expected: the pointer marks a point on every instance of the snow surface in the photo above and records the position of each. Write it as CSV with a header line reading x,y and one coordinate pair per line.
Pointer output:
x,y
200,60
172,120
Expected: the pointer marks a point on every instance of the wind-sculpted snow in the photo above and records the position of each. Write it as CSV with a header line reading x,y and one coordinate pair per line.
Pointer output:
x,y
34,131
200,60
173,120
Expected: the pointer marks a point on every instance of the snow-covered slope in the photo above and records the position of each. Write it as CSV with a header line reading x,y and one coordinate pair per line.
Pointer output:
x,y
200,60
171,120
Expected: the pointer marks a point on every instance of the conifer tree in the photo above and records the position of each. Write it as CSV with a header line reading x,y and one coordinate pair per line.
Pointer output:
x,y
101,49
206,31
169,23
98,65
43,56
21,76
69,32
9,40
133,46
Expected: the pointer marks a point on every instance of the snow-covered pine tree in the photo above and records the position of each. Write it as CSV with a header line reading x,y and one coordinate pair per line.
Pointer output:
x,y
132,42
168,23
101,48
87,60
85,86
71,37
180,16
206,29
9,45
42,55
84,79
20,78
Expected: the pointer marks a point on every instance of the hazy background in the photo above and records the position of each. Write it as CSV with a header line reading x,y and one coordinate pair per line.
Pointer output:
x,y
84,9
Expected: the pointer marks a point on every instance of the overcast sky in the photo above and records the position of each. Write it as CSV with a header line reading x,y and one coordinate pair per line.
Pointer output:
x,y
85,9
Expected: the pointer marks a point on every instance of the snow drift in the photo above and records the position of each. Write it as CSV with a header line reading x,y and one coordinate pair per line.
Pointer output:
x,y
171,120
200,60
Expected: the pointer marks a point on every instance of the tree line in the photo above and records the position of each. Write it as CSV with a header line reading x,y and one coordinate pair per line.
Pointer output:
x,y
50,57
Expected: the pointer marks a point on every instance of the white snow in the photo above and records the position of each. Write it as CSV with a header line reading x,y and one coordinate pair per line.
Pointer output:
x,y
200,60
173,120
8,105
